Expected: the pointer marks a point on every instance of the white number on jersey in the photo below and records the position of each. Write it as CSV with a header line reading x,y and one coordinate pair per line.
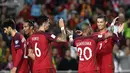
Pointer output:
x,y
82,53
25,51
100,46
37,51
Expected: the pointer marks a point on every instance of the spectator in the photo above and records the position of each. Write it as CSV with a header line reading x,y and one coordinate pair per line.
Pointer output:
x,y
127,29
55,57
68,63
4,53
26,12
10,63
125,59
116,54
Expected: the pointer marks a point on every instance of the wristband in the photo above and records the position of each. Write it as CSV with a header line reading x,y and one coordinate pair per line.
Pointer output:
x,y
62,28
71,37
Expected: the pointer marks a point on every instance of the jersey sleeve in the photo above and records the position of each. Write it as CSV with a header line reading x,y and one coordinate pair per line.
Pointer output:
x,y
18,57
19,42
51,37
98,37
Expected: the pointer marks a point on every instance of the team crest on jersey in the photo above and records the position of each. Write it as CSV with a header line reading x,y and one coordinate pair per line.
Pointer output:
x,y
16,41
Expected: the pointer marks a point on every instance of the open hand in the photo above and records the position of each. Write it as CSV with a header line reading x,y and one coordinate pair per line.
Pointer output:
x,y
61,22
114,21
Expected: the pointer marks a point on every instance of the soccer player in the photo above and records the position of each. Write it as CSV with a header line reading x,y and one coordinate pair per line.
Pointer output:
x,y
29,29
104,56
18,45
39,44
86,48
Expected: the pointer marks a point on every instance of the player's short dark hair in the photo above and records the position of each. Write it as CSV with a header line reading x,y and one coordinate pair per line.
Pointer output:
x,y
42,19
102,16
30,22
9,23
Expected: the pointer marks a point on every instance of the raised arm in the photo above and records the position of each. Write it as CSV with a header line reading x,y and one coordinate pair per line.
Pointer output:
x,y
120,27
62,38
118,35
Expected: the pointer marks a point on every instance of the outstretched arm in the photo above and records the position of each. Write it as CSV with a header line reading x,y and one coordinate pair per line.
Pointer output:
x,y
100,37
118,35
120,27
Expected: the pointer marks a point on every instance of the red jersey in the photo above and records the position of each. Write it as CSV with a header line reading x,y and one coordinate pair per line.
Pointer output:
x,y
86,47
39,43
18,47
104,54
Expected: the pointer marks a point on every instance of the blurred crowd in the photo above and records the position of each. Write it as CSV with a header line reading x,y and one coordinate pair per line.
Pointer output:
x,y
75,13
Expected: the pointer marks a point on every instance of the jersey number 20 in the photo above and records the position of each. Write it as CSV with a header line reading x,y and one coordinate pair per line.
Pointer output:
x,y
82,53
37,51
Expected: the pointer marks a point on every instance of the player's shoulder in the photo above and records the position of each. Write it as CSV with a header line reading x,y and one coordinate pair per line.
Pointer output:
x,y
37,34
18,36
31,36
47,35
40,33
82,38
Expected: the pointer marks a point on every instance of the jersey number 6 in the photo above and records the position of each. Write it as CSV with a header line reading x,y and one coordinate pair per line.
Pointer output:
x,y
37,51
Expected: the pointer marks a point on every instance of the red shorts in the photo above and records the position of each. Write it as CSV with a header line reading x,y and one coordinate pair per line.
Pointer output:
x,y
95,71
107,70
50,70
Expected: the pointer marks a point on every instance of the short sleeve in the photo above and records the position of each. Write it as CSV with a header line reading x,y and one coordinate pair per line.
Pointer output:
x,y
19,42
51,37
